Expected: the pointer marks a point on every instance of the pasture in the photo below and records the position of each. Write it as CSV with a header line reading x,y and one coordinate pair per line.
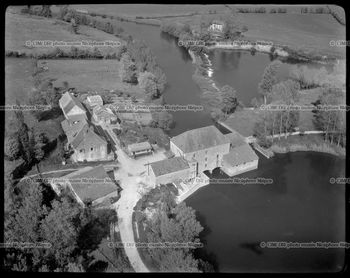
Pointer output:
x,y
20,28
87,75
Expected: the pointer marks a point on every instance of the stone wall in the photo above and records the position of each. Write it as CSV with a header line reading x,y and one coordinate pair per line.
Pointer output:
x,y
242,168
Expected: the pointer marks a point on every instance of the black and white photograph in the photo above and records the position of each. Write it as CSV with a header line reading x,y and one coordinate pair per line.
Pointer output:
x,y
174,138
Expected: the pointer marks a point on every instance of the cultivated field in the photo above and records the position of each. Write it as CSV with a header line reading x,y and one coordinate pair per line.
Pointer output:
x,y
86,75
20,28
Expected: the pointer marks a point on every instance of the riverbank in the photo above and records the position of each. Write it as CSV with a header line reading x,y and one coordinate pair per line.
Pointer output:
x,y
314,143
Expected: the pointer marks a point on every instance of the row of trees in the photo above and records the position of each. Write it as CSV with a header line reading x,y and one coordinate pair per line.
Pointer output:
x,y
44,10
72,53
107,26
171,223
260,10
279,121
332,121
26,143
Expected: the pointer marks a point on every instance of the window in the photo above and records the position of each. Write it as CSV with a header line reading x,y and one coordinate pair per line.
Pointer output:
x,y
194,155
206,165
82,150
91,149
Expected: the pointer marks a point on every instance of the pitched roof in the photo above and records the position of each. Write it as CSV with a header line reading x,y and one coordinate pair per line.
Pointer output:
x,y
239,155
102,111
93,184
139,146
235,138
167,166
72,128
68,101
87,136
199,139
94,98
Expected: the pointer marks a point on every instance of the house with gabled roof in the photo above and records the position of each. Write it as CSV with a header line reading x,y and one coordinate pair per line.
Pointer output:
x,y
71,107
83,139
175,169
91,184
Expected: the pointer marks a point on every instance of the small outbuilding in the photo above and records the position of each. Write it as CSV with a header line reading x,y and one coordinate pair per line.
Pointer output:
x,y
140,148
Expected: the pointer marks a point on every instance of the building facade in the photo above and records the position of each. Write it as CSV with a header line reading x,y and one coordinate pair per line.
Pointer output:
x,y
203,148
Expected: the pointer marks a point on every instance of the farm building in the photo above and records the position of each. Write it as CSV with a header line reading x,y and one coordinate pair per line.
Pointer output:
x,y
92,184
104,115
216,26
171,170
72,107
86,143
203,148
140,148
95,100
216,29
240,159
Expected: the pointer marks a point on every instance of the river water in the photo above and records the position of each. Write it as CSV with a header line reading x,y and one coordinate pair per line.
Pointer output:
x,y
299,206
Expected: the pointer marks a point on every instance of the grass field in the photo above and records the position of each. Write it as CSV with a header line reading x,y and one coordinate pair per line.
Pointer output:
x,y
312,32
148,10
18,85
20,28
87,75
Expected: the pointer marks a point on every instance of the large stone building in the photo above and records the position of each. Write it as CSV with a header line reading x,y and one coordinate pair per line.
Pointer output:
x,y
203,148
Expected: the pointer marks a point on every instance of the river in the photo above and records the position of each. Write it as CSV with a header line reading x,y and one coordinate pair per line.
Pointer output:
x,y
300,206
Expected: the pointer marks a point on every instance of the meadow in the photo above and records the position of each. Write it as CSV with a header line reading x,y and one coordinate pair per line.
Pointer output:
x,y
20,28
87,75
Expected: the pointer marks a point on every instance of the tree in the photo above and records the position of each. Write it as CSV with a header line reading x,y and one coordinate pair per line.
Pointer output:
x,y
331,121
147,81
46,11
269,79
178,261
12,147
128,69
24,224
37,98
229,99
37,143
25,148
61,227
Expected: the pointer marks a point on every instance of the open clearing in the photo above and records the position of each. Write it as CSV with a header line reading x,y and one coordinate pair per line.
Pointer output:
x,y
20,28
87,75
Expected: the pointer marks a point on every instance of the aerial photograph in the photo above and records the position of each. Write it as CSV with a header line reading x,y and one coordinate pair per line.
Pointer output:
x,y
174,138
